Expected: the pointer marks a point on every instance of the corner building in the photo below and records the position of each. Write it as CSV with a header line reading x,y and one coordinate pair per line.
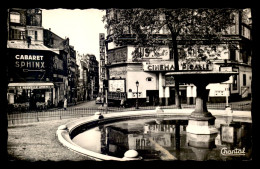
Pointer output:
x,y
158,88
30,64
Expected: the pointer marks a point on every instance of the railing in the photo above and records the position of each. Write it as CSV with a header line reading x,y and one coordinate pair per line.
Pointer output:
x,y
19,117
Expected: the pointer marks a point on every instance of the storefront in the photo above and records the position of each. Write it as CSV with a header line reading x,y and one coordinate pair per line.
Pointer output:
x,y
30,95
30,74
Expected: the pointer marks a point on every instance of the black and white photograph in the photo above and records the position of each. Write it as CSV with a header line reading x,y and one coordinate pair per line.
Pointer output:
x,y
129,84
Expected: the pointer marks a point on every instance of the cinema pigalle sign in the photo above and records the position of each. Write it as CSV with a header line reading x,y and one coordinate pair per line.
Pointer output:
x,y
29,65
184,65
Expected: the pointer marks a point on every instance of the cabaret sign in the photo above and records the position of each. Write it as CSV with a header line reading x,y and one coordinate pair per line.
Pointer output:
x,y
29,61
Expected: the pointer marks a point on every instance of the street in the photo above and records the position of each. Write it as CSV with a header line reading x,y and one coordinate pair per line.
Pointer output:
x,y
87,104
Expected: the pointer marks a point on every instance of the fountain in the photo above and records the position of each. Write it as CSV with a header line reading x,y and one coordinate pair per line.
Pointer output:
x,y
201,120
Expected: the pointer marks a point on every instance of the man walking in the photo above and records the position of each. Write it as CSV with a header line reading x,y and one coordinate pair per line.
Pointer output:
x,y
65,104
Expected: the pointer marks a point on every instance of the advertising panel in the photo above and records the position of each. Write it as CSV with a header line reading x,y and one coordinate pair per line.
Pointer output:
x,y
117,55
117,72
227,134
117,85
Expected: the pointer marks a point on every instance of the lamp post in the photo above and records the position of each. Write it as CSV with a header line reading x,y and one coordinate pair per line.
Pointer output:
x,y
136,105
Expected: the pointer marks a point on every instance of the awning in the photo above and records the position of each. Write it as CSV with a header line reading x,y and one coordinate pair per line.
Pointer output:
x,y
31,85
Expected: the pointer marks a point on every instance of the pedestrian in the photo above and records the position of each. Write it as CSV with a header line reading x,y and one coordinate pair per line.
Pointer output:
x,y
122,103
65,104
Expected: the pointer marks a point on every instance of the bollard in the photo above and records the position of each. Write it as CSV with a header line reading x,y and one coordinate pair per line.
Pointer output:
x,y
62,127
98,116
159,110
229,111
131,155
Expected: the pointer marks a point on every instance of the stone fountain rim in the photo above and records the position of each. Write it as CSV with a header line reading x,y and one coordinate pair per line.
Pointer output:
x,y
63,133
64,137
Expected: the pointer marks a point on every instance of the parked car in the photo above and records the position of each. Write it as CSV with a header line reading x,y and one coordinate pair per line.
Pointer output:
x,y
99,100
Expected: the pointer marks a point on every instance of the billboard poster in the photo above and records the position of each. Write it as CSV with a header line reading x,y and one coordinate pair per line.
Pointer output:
x,y
227,134
117,85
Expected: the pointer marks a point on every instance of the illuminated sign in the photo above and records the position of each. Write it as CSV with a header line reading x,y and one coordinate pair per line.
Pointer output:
x,y
29,61
102,55
190,65
162,66
187,64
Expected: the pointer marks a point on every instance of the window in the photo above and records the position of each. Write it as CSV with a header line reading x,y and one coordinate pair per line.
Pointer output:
x,y
149,79
36,35
17,34
33,20
234,85
244,79
15,18
33,34
218,29
232,54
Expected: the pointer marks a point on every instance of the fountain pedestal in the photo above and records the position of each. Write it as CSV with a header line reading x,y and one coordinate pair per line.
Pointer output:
x,y
201,121
201,145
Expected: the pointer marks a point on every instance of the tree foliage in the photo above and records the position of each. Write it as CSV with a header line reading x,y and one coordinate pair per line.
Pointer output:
x,y
185,24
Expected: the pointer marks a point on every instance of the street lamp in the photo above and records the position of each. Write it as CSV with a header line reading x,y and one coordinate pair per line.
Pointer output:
x,y
136,105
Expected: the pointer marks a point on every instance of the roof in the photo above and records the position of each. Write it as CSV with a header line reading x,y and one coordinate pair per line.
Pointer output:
x,y
24,45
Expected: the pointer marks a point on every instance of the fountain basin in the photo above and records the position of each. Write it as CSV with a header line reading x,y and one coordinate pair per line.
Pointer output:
x,y
66,133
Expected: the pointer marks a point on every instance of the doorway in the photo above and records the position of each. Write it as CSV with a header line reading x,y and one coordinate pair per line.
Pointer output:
x,y
152,98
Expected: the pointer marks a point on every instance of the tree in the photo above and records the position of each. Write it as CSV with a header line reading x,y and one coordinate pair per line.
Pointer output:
x,y
143,27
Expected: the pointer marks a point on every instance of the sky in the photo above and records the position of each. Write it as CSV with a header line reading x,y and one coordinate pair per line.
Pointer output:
x,y
82,27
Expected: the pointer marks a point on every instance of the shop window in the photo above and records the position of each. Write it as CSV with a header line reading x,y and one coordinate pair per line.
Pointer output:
x,y
15,18
36,35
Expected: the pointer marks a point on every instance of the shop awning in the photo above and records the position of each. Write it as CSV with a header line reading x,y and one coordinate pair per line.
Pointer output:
x,y
48,85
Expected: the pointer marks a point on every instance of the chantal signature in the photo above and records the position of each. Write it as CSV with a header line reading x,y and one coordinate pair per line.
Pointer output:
x,y
236,151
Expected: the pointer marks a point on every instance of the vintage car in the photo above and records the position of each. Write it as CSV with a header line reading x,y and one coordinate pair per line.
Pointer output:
x,y
99,100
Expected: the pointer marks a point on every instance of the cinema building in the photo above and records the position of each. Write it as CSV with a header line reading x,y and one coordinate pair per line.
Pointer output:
x,y
153,69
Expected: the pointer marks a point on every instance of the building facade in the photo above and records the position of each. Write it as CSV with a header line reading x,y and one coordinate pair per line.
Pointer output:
x,y
30,63
82,79
150,70
89,76
60,74
65,63
93,76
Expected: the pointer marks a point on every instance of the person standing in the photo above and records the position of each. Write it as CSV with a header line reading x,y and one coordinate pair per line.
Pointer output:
x,y
65,104
122,103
